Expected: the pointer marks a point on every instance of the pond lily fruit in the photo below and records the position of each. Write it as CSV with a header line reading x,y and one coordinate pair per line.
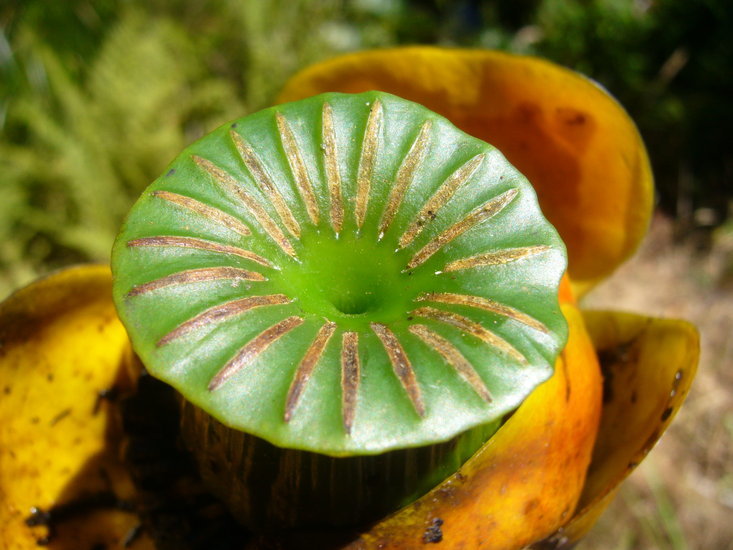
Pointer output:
x,y
370,323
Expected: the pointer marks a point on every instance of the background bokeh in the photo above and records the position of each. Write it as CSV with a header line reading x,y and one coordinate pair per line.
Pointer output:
x,y
97,97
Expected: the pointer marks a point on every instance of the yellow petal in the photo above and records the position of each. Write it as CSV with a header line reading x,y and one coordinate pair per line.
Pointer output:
x,y
571,139
61,344
648,366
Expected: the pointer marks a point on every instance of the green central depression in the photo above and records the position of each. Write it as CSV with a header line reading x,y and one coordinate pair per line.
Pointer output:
x,y
351,280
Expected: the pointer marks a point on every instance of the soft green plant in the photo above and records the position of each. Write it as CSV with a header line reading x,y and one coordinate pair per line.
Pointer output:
x,y
80,140
89,146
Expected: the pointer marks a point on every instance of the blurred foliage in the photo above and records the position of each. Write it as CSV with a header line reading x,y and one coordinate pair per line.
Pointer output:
x,y
97,96
669,63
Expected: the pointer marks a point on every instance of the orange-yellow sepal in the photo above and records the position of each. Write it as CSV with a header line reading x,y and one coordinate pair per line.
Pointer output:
x,y
571,139
648,366
61,346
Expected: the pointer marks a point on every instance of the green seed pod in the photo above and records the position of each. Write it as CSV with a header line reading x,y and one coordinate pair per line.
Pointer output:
x,y
349,294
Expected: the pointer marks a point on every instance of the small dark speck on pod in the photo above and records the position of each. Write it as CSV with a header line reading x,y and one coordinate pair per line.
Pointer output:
x,y
171,172
132,535
433,533
60,416
37,517
109,394
234,125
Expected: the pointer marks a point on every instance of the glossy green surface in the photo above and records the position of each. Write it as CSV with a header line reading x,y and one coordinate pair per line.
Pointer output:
x,y
359,274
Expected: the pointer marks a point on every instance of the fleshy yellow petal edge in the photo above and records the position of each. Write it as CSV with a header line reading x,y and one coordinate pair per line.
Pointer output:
x,y
61,348
572,140
648,367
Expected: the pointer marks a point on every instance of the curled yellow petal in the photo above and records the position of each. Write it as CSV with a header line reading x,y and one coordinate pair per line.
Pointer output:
x,y
648,366
62,348
571,139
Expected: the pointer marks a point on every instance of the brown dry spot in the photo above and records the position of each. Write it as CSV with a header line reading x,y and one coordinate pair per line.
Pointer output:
x,y
495,258
367,160
265,183
433,532
531,506
198,244
485,304
453,357
350,377
333,176
222,312
209,212
297,166
400,365
474,329
262,217
440,198
306,366
253,349
482,213
405,176
575,126
195,276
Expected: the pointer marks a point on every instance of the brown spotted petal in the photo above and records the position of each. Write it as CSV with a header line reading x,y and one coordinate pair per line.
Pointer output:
x,y
61,347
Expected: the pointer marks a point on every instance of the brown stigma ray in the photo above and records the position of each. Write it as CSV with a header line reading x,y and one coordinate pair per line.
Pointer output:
x,y
484,304
306,367
204,274
297,166
470,327
333,175
209,212
500,257
367,160
265,183
350,377
405,176
262,217
483,213
453,357
198,244
221,313
253,349
400,365
440,198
